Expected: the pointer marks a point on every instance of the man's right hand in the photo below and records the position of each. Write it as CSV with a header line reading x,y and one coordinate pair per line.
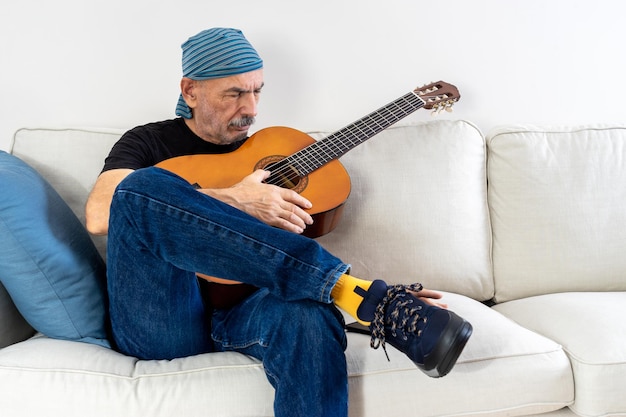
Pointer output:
x,y
274,205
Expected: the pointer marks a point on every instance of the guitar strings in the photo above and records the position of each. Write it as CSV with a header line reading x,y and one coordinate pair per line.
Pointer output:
x,y
319,153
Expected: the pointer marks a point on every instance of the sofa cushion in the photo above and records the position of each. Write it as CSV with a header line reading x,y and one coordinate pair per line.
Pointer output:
x,y
418,209
591,329
78,379
558,209
439,167
48,264
504,369
71,377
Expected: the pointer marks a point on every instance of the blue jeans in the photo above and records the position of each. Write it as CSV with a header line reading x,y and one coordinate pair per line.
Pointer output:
x,y
162,231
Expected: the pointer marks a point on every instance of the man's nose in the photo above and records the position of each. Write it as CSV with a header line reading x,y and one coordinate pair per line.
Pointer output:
x,y
249,105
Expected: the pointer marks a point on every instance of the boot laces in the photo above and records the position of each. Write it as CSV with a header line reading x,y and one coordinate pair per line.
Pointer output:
x,y
404,317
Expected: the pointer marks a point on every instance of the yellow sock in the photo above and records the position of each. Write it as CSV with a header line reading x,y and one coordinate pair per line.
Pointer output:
x,y
344,296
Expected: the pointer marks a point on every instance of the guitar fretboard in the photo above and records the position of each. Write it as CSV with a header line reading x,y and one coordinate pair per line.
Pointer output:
x,y
339,143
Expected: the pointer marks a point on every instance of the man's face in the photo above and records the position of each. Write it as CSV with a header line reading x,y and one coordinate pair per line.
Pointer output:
x,y
224,108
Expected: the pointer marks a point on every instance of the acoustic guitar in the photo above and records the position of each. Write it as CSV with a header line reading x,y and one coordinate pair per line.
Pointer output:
x,y
311,168
298,162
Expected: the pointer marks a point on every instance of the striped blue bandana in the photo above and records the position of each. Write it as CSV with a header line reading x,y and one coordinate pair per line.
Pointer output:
x,y
216,53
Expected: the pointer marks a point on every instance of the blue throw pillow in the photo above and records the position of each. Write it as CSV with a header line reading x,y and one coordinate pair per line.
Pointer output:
x,y
48,263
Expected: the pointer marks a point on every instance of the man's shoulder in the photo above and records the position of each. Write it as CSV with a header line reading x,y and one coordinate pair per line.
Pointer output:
x,y
158,128
145,145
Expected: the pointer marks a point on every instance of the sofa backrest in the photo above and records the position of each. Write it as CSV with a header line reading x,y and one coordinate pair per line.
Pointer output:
x,y
558,208
418,209
70,159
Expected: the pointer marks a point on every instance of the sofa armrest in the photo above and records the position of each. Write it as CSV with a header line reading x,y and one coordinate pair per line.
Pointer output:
x,y
13,327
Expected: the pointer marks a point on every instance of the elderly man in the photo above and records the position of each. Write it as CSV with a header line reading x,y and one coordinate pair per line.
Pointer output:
x,y
164,234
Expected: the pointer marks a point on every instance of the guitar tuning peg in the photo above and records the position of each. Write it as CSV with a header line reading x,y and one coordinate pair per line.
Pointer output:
x,y
436,110
442,106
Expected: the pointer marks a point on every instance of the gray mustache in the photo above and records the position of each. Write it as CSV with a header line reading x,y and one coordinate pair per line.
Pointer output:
x,y
243,121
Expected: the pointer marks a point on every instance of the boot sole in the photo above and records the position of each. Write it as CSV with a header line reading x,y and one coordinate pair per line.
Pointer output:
x,y
448,349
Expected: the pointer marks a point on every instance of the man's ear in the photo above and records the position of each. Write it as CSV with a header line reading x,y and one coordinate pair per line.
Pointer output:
x,y
187,89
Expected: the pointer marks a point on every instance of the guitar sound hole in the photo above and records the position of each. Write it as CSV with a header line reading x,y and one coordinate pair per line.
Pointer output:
x,y
282,174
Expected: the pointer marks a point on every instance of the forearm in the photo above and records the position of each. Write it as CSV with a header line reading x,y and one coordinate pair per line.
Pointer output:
x,y
99,202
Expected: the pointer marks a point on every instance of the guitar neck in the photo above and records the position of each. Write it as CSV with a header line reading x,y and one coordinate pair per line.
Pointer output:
x,y
339,143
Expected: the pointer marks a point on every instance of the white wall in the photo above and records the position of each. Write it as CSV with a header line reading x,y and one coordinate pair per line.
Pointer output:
x,y
116,63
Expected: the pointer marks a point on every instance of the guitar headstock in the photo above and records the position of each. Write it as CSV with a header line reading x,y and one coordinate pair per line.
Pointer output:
x,y
438,96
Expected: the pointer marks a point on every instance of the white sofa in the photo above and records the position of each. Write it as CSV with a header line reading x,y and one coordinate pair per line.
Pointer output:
x,y
524,231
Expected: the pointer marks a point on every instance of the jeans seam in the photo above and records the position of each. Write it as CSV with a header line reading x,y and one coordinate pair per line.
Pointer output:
x,y
329,284
241,345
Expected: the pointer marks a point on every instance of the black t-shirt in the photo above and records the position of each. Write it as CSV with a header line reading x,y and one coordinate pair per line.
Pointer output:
x,y
147,145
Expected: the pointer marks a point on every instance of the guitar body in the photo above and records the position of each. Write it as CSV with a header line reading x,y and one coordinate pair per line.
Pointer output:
x,y
327,188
